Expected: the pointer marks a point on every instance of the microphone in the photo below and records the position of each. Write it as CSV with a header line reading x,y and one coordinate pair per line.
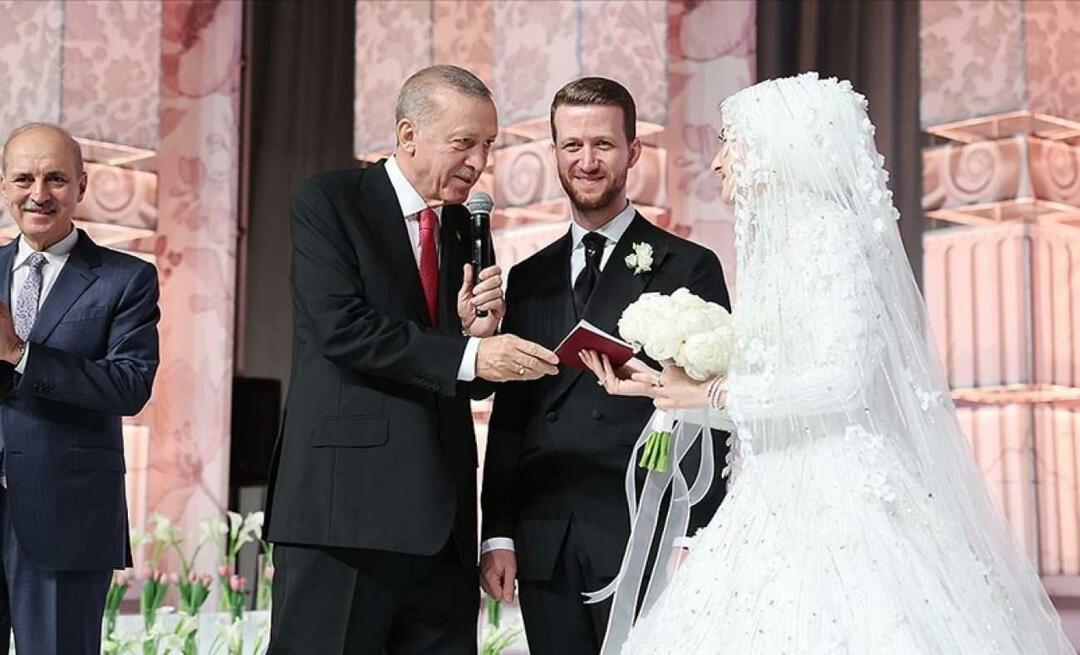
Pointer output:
x,y
479,206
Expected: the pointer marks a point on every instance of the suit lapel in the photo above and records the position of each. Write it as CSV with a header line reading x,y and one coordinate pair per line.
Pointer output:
x,y
382,212
76,276
7,260
617,287
554,311
452,257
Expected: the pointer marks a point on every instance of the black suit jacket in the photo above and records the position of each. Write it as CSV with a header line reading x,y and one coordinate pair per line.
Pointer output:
x,y
377,448
558,447
93,354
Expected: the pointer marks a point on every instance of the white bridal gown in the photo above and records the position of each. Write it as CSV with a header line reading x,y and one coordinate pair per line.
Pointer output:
x,y
839,535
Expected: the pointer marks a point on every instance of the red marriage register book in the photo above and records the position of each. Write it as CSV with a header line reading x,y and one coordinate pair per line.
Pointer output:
x,y
586,336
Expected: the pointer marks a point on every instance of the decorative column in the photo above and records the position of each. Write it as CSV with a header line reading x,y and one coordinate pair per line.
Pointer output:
x,y
198,171
1002,178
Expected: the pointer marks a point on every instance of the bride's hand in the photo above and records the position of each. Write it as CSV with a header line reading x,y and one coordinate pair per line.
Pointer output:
x,y
621,382
676,390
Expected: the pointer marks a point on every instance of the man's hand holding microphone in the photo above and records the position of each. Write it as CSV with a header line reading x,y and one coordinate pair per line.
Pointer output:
x,y
481,306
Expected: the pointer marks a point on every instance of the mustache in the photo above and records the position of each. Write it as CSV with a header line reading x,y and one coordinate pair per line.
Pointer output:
x,y
31,206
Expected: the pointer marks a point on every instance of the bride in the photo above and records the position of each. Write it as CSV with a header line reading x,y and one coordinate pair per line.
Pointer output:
x,y
856,521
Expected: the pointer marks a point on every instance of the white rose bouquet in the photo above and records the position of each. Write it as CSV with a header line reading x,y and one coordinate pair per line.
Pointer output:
x,y
694,334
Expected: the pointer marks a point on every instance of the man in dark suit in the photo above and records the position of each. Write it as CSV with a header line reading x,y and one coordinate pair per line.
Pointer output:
x,y
78,350
372,498
554,506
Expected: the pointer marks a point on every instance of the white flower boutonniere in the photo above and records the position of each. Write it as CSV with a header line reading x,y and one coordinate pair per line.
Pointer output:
x,y
640,261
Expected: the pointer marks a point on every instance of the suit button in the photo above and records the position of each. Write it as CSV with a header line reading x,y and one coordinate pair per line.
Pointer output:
x,y
552,417
597,415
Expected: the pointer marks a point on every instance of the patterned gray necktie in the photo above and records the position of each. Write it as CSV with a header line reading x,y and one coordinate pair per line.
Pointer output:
x,y
26,306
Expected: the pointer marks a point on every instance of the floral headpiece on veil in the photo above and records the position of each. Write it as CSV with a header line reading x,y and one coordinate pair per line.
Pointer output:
x,y
804,135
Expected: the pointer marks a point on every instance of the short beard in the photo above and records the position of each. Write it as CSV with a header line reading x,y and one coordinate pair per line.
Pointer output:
x,y
605,199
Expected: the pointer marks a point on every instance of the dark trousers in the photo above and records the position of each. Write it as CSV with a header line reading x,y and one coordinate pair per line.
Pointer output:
x,y
51,612
331,601
557,620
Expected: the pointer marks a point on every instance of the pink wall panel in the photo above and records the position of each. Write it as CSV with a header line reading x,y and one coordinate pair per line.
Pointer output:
x,y
973,60
112,70
30,37
393,40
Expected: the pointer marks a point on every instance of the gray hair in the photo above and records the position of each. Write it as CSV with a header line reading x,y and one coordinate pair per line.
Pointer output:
x,y
76,149
415,101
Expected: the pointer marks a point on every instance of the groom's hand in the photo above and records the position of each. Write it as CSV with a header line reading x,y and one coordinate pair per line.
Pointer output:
x,y
498,568
487,295
509,357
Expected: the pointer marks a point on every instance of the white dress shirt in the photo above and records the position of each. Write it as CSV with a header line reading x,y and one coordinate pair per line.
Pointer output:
x,y
411,205
56,256
612,231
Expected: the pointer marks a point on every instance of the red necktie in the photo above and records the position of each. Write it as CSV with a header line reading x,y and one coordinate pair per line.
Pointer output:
x,y
429,263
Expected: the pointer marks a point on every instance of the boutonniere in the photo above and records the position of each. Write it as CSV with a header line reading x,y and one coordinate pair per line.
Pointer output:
x,y
640,261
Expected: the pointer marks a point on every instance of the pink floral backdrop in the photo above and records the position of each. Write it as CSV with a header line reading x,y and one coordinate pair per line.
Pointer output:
x,y
983,58
679,60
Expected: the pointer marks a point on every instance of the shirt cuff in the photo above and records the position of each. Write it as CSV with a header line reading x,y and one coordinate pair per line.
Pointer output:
x,y
21,366
467,371
682,542
497,543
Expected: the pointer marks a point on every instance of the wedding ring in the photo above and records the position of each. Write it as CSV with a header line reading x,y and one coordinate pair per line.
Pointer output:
x,y
658,382
521,371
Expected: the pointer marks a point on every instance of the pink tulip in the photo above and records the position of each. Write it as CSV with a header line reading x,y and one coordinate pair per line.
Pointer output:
x,y
192,576
207,580
237,583
224,570
121,578
269,572
174,577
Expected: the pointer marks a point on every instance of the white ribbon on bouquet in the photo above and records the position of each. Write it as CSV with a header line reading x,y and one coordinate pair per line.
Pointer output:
x,y
625,589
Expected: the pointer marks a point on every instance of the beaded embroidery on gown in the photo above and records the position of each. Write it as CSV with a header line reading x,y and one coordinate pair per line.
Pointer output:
x,y
856,521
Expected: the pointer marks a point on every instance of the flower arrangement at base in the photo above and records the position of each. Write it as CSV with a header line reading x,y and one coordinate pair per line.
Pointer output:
x,y
166,631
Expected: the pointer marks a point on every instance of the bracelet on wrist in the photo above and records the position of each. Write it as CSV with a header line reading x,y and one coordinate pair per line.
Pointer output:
x,y
715,392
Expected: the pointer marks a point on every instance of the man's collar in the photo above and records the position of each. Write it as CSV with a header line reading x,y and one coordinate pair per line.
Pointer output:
x,y
61,248
409,200
613,229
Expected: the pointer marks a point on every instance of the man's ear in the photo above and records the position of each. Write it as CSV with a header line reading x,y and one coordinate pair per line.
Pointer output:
x,y
406,136
83,178
635,153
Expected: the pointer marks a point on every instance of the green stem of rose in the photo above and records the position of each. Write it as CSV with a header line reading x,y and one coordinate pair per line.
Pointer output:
x,y
655,454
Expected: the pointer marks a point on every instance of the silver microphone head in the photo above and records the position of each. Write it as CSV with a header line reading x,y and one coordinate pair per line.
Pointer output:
x,y
479,203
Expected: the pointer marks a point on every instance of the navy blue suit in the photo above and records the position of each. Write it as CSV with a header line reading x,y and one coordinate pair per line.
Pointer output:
x,y
93,354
